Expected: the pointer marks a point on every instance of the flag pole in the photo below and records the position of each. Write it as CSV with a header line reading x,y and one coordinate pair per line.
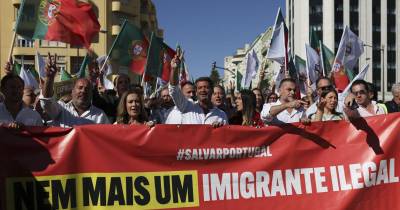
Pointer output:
x,y
12,45
20,11
147,60
322,58
113,45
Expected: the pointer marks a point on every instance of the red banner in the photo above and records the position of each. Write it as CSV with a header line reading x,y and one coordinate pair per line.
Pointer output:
x,y
331,165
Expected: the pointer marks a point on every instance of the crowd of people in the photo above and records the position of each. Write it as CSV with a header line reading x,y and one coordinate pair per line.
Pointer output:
x,y
201,102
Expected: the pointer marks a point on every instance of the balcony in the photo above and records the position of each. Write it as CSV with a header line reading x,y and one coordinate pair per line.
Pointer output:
x,y
16,3
115,29
119,7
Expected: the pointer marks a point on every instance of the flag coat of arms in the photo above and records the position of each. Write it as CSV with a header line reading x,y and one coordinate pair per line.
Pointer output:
x,y
130,48
68,21
350,49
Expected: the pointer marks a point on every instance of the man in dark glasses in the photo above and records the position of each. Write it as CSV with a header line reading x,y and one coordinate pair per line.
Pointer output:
x,y
364,106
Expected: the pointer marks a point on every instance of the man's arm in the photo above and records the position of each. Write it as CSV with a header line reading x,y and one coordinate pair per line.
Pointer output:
x,y
49,105
175,92
275,110
348,111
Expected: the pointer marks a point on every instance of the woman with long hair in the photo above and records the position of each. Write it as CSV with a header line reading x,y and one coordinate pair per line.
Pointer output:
x,y
271,98
259,99
246,110
131,109
326,108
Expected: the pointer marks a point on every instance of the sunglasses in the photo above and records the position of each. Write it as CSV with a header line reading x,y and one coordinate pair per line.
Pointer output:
x,y
326,87
361,92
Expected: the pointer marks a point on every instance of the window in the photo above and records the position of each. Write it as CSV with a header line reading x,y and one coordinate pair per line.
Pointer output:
x,y
76,63
21,42
45,43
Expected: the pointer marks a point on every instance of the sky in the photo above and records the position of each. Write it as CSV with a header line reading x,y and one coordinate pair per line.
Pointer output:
x,y
209,30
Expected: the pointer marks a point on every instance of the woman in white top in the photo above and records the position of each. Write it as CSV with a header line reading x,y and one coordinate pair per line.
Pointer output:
x,y
326,108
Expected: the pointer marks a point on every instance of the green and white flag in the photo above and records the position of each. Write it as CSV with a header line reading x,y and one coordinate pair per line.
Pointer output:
x,y
65,76
29,79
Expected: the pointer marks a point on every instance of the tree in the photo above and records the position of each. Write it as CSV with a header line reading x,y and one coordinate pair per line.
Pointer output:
x,y
214,76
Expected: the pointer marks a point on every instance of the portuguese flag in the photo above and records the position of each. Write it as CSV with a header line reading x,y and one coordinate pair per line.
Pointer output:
x,y
159,59
68,21
154,57
130,48
169,53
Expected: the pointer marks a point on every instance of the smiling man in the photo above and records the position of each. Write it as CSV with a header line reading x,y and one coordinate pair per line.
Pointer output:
x,y
200,112
79,110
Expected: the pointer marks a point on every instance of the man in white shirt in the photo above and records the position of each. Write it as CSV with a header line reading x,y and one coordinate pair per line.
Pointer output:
x,y
13,110
79,111
200,112
286,109
365,106
175,116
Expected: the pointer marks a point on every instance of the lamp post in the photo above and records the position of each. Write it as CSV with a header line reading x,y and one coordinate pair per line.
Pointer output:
x,y
214,66
382,50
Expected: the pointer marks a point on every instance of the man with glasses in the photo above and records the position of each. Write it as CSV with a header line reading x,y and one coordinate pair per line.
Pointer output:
x,y
323,83
364,106
287,109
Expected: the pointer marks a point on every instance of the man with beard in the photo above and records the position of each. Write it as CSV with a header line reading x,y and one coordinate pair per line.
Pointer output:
x,y
200,112
286,109
79,110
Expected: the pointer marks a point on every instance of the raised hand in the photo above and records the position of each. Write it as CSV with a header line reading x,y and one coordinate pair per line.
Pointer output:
x,y
176,61
8,68
321,105
51,68
349,100
94,70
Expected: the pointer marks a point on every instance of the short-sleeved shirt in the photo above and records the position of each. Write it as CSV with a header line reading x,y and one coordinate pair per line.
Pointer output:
x,y
283,117
26,116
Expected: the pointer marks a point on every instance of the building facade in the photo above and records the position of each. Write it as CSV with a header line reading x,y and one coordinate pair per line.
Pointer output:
x,y
110,15
238,61
376,22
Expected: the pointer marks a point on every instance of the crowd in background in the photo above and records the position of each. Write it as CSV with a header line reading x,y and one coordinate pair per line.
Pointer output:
x,y
201,102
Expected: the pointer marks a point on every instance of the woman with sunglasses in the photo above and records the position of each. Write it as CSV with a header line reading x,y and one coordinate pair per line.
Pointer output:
x,y
326,107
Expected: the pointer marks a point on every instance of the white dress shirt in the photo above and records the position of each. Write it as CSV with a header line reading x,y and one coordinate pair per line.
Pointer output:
x,y
174,116
282,117
26,116
65,114
377,110
192,113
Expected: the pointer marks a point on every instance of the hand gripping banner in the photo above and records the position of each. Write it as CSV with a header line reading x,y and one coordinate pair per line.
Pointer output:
x,y
330,165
